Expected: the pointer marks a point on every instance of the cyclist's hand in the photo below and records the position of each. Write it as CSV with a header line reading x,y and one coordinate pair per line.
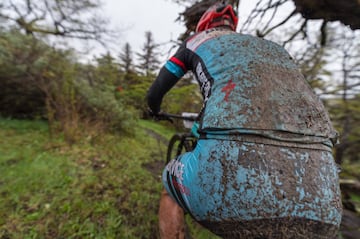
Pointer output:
x,y
152,114
159,116
162,116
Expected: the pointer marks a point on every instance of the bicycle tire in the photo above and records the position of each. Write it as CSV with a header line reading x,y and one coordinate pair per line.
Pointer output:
x,y
178,145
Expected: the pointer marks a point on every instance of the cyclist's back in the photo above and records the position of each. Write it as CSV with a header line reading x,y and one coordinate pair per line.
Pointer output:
x,y
255,88
263,166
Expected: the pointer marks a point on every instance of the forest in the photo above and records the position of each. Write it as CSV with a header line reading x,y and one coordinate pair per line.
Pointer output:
x,y
54,103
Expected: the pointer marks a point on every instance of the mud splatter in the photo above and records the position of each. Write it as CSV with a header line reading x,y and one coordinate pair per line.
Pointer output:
x,y
276,228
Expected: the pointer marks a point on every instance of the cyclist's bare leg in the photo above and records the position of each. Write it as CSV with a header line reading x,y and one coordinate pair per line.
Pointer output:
x,y
171,218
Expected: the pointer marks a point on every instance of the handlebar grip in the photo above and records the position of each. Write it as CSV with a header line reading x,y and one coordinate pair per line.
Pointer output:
x,y
175,116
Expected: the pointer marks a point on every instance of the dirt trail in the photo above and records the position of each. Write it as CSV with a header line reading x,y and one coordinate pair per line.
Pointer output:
x,y
157,136
158,155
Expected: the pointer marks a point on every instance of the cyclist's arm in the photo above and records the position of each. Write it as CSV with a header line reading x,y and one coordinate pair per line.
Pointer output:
x,y
163,83
168,76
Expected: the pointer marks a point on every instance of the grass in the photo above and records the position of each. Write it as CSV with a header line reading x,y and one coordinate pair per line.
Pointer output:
x,y
351,170
159,128
90,190
103,187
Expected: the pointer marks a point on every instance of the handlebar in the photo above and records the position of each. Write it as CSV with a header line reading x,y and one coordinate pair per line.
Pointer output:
x,y
183,116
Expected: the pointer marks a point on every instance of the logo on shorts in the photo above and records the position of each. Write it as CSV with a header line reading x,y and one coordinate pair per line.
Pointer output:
x,y
176,168
180,187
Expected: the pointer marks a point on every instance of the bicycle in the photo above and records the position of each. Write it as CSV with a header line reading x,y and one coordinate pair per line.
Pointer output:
x,y
182,142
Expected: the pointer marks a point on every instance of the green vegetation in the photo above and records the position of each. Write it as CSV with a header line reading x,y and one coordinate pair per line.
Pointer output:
x,y
95,189
104,187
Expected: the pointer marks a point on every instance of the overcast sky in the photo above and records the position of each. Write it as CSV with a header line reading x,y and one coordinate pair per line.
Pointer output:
x,y
134,18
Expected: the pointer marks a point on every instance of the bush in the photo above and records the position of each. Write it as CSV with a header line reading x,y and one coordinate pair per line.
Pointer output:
x,y
20,97
99,104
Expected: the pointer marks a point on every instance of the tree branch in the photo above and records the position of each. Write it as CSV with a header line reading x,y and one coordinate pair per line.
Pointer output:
x,y
301,29
278,25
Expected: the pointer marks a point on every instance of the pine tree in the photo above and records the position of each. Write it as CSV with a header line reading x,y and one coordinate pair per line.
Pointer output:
x,y
148,59
126,59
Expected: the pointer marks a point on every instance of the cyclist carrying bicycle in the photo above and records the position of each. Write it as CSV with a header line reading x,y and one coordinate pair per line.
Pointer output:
x,y
263,165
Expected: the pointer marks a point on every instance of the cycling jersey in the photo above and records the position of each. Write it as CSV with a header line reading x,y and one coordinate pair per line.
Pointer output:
x,y
249,85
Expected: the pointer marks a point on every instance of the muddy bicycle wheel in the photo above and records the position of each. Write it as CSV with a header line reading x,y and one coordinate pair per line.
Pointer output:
x,y
179,144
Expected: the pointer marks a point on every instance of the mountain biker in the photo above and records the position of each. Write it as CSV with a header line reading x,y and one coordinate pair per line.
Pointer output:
x,y
263,165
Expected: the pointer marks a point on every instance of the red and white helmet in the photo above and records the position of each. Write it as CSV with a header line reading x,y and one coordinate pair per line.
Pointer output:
x,y
219,14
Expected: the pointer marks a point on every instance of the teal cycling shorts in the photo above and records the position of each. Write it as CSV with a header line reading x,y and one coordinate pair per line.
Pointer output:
x,y
254,190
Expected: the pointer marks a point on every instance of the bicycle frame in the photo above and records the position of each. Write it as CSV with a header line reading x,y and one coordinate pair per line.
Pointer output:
x,y
182,142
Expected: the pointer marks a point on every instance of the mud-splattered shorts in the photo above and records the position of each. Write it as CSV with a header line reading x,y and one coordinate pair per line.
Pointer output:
x,y
251,190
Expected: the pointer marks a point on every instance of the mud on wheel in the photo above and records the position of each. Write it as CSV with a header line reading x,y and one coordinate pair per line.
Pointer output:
x,y
179,144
